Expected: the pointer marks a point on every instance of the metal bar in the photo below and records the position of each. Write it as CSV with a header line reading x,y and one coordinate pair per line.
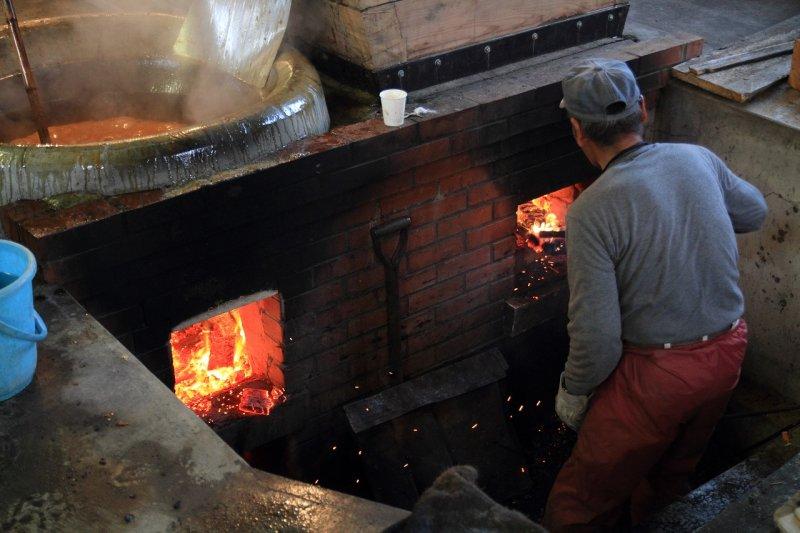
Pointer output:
x,y
31,89
391,265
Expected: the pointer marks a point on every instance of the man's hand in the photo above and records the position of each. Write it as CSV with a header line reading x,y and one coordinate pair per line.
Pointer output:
x,y
570,408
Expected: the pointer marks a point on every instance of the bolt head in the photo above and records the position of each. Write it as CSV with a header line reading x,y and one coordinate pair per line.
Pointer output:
x,y
611,17
438,62
401,73
488,49
579,24
535,36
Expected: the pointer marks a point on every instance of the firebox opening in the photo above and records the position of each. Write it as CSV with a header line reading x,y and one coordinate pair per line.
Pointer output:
x,y
541,241
228,362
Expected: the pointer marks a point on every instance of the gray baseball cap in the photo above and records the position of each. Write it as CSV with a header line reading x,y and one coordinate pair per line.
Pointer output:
x,y
598,90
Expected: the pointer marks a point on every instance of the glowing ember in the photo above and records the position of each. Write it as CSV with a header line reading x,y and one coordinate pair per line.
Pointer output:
x,y
541,241
230,364
542,221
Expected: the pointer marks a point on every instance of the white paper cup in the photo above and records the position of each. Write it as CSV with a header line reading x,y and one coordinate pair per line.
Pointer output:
x,y
393,104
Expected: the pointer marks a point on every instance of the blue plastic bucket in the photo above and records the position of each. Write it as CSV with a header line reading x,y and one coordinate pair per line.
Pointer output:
x,y
21,327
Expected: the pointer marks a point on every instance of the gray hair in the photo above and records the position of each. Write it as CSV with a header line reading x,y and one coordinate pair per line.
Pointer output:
x,y
607,132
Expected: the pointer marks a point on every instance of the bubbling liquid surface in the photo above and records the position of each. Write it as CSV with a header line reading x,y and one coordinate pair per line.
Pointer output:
x,y
104,130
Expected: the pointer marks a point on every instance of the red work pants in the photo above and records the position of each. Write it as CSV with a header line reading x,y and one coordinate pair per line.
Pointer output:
x,y
647,427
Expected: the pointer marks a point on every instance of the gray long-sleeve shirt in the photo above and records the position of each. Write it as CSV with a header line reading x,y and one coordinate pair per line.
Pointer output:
x,y
652,255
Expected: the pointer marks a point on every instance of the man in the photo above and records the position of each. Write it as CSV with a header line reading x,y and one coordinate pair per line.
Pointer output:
x,y
656,335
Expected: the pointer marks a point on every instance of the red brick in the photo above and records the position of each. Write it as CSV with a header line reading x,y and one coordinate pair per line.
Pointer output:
x,y
419,237
483,315
349,308
304,347
359,238
300,326
391,185
418,280
434,335
438,126
488,191
48,222
272,307
491,232
469,341
342,265
463,221
504,207
693,49
439,209
504,248
409,199
442,168
464,179
436,252
317,299
436,294
314,253
20,211
365,280
654,56
366,322
502,289
461,304
464,263
412,326
420,155
370,301
465,140
490,273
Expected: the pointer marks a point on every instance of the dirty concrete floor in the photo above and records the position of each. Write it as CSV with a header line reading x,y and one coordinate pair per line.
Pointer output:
x,y
720,22
97,443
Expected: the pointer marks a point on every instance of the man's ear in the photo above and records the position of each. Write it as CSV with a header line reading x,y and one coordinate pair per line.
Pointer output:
x,y
577,131
643,107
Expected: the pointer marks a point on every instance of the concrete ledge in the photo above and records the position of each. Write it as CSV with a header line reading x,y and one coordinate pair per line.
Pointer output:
x,y
98,443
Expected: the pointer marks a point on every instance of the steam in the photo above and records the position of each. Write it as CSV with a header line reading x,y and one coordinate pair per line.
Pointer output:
x,y
93,64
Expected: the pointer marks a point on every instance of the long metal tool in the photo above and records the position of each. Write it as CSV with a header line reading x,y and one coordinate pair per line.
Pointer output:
x,y
391,265
27,74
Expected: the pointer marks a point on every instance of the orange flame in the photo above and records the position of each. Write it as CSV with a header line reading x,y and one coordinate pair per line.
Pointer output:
x,y
230,364
196,375
537,216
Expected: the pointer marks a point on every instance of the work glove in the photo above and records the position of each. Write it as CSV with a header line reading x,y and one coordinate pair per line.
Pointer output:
x,y
571,409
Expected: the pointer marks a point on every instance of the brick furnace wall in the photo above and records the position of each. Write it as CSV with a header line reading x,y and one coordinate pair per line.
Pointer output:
x,y
143,263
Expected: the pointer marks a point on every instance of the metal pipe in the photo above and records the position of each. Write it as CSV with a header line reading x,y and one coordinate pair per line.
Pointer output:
x,y
27,74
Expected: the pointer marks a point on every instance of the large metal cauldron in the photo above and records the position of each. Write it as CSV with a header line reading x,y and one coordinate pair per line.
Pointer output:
x,y
211,65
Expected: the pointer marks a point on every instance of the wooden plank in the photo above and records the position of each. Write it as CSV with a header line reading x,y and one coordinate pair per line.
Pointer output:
x,y
741,83
435,386
779,33
794,73
737,59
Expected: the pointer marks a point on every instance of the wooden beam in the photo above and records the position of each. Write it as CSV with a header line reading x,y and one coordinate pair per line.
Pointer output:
x,y
378,34
794,73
